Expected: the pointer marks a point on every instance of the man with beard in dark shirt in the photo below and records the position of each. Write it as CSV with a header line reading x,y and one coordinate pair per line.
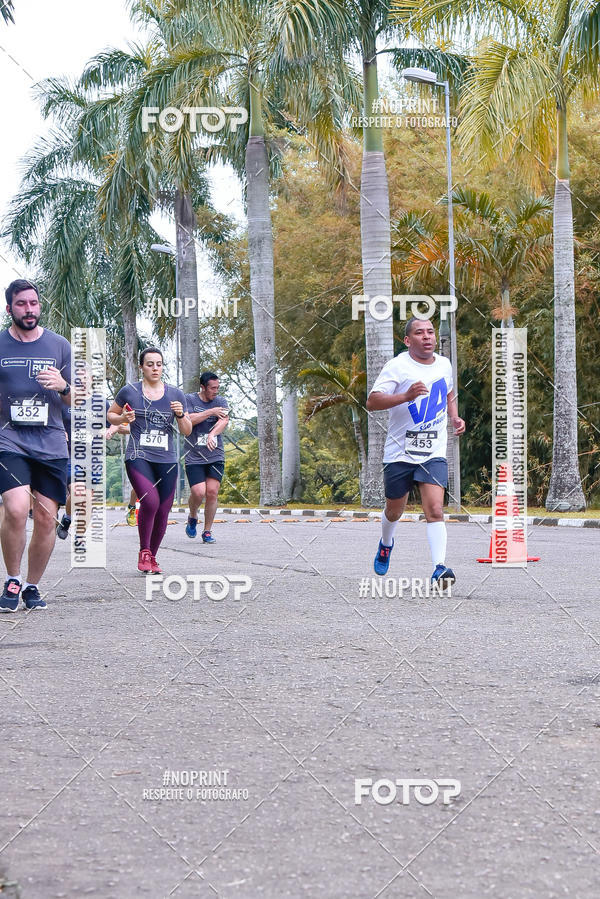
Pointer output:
x,y
34,366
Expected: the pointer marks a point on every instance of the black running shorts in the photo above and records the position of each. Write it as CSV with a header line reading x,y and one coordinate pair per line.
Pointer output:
x,y
198,472
398,477
45,476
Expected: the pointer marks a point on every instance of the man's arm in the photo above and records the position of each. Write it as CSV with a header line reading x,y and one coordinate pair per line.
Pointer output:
x,y
459,425
197,417
377,401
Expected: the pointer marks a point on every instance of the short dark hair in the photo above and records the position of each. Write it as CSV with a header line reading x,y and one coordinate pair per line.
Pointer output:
x,y
411,322
207,376
19,286
150,349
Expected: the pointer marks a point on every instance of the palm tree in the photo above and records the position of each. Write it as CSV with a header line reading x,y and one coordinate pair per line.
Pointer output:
x,y
493,243
349,391
164,167
261,55
515,101
366,23
89,275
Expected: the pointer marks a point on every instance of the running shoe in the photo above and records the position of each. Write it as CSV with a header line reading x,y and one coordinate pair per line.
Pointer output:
x,y
382,559
131,518
62,529
443,576
190,527
9,600
32,599
156,569
145,561
207,537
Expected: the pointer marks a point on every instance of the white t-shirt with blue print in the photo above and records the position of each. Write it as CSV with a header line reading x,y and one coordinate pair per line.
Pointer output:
x,y
417,430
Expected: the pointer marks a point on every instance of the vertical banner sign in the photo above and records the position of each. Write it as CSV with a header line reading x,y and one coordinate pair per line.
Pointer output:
x,y
509,447
88,448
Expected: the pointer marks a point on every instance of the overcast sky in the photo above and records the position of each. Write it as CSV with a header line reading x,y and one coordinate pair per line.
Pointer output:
x,y
54,39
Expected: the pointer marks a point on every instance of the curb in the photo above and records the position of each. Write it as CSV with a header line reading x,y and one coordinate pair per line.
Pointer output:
x,y
408,516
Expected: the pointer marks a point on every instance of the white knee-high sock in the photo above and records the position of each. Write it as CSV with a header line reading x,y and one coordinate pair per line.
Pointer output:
x,y
387,530
436,535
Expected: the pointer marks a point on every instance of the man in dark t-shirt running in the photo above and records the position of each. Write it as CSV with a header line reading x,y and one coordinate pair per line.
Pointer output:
x,y
35,364
204,452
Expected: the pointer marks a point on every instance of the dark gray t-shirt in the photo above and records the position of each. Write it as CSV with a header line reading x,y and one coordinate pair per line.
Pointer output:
x,y
196,450
151,434
30,416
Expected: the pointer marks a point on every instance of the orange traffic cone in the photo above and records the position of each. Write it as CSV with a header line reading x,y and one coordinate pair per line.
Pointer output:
x,y
511,548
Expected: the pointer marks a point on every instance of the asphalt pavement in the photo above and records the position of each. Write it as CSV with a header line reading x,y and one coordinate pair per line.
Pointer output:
x,y
201,747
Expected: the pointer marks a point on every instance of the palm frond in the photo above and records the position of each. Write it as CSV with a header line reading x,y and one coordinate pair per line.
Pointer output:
x,y
6,10
508,105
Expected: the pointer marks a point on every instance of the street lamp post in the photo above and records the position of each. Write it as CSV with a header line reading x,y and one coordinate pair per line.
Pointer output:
x,y
169,251
448,346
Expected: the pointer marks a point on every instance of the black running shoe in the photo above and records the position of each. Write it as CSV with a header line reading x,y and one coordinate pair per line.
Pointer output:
x,y
9,601
62,529
32,599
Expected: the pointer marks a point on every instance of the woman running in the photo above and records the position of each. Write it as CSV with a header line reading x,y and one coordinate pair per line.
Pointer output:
x,y
150,407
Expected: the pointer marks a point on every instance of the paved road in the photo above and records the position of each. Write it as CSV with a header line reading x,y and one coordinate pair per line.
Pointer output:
x,y
290,693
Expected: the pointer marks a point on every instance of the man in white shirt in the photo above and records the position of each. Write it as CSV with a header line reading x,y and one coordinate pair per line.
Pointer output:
x,y
416,387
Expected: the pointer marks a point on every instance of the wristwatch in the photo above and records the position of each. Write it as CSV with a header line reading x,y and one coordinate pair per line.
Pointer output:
x,y
66,391
180,416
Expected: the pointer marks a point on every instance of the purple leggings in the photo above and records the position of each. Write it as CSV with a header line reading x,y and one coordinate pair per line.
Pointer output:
x,y
154,484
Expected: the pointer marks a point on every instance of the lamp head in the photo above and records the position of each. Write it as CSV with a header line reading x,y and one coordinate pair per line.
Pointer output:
x,y
421,76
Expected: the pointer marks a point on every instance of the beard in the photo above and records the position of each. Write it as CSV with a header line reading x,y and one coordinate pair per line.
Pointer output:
x,y
26,325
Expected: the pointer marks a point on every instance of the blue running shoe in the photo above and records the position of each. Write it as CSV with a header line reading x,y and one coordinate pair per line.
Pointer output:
x,y
382,559
32,599
9,601
190,527
207,537
443,576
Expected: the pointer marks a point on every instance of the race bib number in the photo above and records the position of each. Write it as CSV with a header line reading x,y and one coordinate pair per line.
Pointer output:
x,y
154,440
201,441
29,411
420,443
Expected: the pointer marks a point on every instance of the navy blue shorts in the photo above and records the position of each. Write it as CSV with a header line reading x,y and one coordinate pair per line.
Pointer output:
x,y
399,477
198,472
45,476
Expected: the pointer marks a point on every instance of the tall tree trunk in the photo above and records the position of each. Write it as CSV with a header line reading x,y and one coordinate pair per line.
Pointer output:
x,y
565,492
131,339
292,487
377,277
360,445
260,252
187,288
